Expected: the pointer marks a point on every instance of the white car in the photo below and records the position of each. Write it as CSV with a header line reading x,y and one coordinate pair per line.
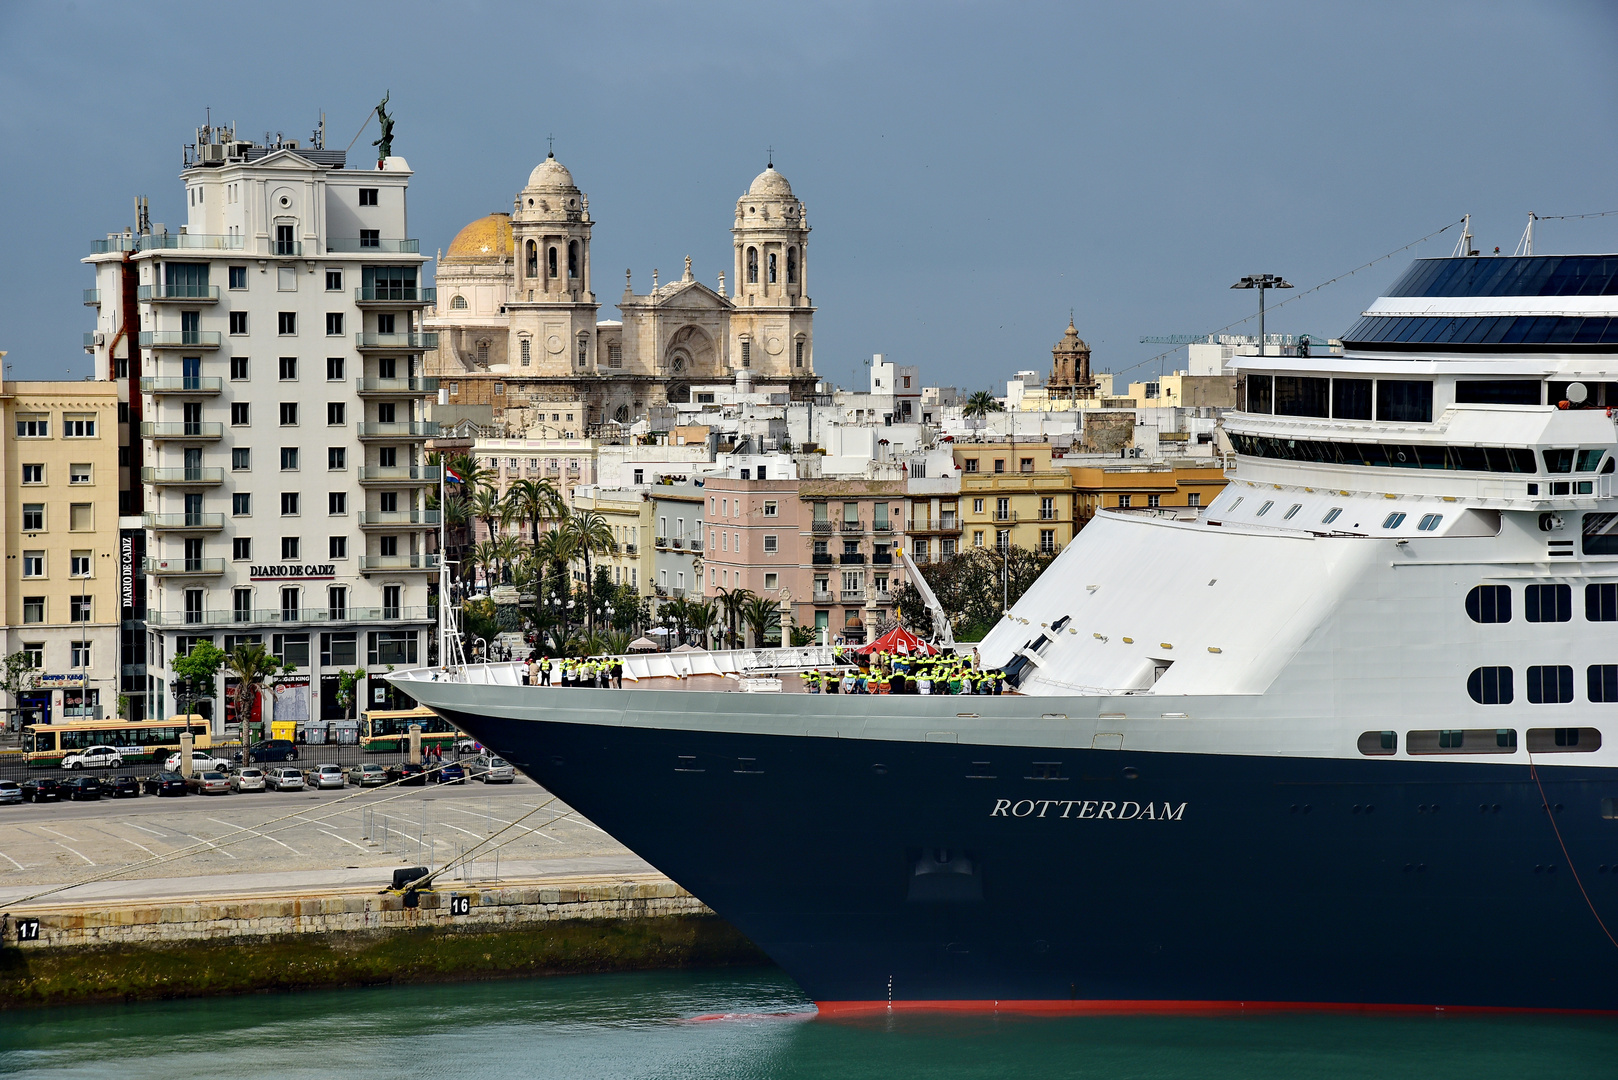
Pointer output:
x,y
10,791
284,778
94,757
325,776
491,769
248,778
201,761
367,774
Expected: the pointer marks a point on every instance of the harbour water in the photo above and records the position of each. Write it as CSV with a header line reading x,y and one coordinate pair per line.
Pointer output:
x,y
757,1025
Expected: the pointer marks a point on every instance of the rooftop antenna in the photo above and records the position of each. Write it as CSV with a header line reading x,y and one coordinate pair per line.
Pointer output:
x,y
769,157
1463,246
1525,246
550,141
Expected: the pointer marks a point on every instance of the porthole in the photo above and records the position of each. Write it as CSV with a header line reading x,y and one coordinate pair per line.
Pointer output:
x,y
1393,521
285,201
1331,515
1489,604
1429,522
1295,508
1265,508
1238,502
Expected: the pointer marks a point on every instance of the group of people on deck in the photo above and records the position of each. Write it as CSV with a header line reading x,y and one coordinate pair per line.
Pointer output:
x,y
898,673
575,671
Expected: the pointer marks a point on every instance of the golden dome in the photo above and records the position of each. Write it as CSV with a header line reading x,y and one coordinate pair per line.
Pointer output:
x,y
484,240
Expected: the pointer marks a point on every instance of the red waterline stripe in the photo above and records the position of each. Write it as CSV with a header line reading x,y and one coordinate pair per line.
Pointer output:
x,y
1167,1008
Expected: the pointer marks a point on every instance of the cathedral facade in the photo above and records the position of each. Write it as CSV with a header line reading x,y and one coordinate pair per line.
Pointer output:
x,y
518,326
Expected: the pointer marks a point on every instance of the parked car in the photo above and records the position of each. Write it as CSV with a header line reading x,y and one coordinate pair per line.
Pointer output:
x,y
42,789
273,750
367,774
82,788
325,776
247,778
468,746
164,783
283,779
212,782
94,757
201,761
492,770
451,772
408,773
116,787
10,791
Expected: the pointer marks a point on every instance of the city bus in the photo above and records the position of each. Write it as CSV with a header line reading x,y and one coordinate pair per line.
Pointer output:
x,y
137,741
387,731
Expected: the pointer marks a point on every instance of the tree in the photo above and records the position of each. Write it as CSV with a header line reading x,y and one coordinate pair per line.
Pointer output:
x,y
196,671
533,501
254,669
347,685
485,505
981,404
590,533
804,635
761,615
732,602
969,588
18,674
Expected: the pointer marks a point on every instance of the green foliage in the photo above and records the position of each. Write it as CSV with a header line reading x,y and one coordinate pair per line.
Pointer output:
x,y
198,667
347,686
763,617
969,589
254,669
479,619
18,673
803,635
982,404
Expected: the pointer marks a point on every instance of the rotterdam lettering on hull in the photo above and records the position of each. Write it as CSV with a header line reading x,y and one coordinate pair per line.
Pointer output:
x,y
1089,809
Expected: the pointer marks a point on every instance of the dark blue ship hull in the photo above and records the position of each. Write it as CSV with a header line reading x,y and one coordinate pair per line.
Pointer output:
x,y
961,875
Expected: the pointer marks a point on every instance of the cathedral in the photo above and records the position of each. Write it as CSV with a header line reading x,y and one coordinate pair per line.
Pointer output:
x,y
518,327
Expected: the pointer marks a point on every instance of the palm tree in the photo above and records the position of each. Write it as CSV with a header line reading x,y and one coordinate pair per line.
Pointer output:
x,y
733,601
700,615
556,549
508,549
488,556
533,501
590,533
762,616
981,404
251,666
485,505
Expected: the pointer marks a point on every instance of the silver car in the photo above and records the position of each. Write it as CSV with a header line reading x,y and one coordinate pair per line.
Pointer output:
x,y
491,769
283,778
10,791
325,776
367,774
248,778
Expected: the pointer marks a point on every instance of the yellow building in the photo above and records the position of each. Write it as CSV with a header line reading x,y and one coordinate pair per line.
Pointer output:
x,y
629,513
60,539
1011,493
1131,484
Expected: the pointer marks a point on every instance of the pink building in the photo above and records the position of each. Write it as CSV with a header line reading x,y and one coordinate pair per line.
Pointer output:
x,y
754,540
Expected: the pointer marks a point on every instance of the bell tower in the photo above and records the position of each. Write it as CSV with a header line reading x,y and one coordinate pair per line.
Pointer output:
x,y
772,328
552,307
1070,365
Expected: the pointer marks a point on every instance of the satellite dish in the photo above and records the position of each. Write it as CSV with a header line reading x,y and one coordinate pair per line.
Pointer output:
x,y
1577,393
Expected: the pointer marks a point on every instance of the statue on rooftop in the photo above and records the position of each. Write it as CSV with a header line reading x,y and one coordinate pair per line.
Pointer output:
x,y
384,145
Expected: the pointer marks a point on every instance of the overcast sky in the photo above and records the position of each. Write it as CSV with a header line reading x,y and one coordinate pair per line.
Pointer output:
x,y
972,170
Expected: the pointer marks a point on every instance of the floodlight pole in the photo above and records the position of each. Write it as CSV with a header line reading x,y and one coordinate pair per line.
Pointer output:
x,y
1262,282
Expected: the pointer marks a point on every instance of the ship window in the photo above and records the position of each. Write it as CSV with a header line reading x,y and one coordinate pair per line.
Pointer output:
x,y
1600,534
1404,401
1393,521
1601,603
1551,684
1602,682
1609,808
1292,510
1489,604
1498,392
1300,395
1379,743
1351,399
1239,499
1332,515
1377,455
1548,603
1260,393
1429,522
1489,686
1588,460
1563,740
1265,508
1468,741
1558,461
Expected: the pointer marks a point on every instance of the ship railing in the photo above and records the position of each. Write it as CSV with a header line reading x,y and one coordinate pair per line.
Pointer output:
x,y
741,663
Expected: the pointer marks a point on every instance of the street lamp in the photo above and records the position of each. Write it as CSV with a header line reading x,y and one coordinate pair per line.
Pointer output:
x,y
1262,282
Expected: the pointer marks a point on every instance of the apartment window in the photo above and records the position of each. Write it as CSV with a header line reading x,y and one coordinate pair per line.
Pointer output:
x,y
336,414
289,504
240,414
289,414
80,651
334,281
336,458
1194,499
241,549
80,562
1047,541
771,508
340,649
770,544
946,547
33,517
977,538
337,547
334,324
33,426
1124,500
368,196
1548,603
80,517
919,549
286,323
238,277
79,608
33,609
240,459
370,238
238,368
33,564
337,502
969,465
80,473
1490,685
999,465
454,389
33,474
388,457
977,506
289,459
397,647
241,504
238,323
78,425
388,545
289,547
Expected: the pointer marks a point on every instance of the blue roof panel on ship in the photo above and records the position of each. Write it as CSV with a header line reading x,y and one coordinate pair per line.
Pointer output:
x,y
1532,275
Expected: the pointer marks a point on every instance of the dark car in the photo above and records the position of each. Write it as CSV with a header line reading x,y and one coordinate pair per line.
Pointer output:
x,y
42,789
406,773
452,772
273,750
164,783
82,788
116,787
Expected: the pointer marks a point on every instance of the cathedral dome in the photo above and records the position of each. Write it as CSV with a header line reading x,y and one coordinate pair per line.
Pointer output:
x,y
551,175
770,183
484,240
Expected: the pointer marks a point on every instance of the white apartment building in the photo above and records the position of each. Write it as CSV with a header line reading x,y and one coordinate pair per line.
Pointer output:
x,y
280,402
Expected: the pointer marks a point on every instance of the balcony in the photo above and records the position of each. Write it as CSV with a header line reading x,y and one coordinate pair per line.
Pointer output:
x,y
370,564
371,245
677,543
167,242
186,477
287,616
1049,513
412,341
92,339
882,558
883,596
92,297
631,549
183,522
823,527
181,384
184,567
1003,515
852,558
694,545
397,519
852,526
882,526
661,543
394,296
179,339
824,597
821,558
183,432
191,294
401,474
413,386
853,596
417,430
286,249
925,527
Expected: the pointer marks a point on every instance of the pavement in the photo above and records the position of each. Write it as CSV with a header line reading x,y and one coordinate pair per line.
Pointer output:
x,y
277,842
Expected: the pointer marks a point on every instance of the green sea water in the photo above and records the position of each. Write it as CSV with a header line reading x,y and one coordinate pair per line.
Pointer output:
x,y
757,1025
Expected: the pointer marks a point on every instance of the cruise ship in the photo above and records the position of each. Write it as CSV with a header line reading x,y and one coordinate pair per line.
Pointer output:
x,y
1342,741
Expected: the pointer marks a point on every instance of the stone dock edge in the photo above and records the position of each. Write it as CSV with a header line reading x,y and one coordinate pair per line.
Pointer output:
x,y
142,951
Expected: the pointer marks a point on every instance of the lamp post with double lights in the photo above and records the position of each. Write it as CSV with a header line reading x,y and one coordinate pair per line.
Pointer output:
x,y
1262,282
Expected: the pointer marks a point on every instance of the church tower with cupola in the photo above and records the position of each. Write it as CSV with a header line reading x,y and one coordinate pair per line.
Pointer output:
x,y
551,304
1070,366
772,327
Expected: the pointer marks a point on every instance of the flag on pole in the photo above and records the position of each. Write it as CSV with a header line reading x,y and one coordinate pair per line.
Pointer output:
x,y
452,476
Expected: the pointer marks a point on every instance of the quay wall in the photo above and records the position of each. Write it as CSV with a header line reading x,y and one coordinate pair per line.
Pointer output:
x,y
136,951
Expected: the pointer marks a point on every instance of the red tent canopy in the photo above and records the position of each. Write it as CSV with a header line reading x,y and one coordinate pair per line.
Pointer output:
x,y
898,640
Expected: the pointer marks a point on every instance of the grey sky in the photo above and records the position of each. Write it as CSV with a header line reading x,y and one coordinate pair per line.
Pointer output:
x,y
971,171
